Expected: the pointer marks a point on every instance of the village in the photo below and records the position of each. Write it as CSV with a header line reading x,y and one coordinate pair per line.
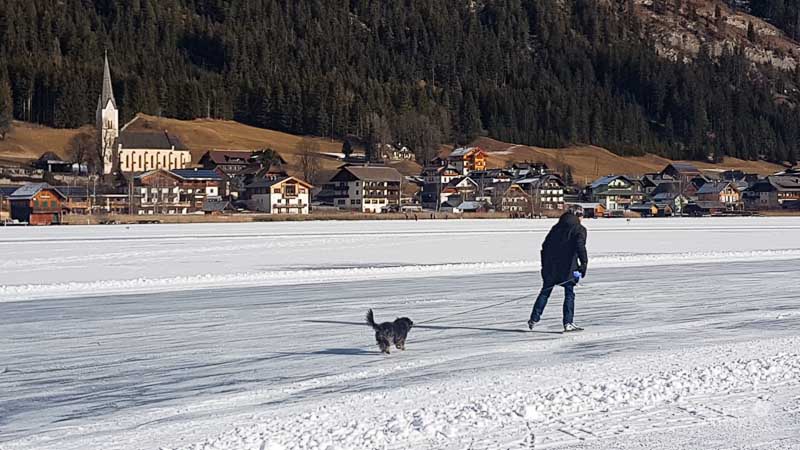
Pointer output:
x,y
148,176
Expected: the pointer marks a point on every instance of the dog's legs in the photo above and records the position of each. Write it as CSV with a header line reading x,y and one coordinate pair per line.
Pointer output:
x,y
400,344
383,343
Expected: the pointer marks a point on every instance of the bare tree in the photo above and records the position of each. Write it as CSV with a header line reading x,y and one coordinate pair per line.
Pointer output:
x,y
379,133
309,159
83,149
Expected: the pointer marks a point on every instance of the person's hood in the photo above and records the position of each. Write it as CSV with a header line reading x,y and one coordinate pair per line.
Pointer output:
x,y
568,220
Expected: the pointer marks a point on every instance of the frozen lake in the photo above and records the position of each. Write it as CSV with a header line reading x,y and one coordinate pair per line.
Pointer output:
x,y
250,336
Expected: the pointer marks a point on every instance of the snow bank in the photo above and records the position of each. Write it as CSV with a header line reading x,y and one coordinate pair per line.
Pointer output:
x,y
515,410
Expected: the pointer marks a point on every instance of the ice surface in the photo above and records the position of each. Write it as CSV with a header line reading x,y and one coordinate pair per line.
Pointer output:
x,y
250,336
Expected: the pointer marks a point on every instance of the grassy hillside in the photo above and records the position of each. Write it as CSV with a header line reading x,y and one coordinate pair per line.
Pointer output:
x,y
587,162
28,141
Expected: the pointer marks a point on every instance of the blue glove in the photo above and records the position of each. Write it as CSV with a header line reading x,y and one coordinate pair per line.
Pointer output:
x,y
577,276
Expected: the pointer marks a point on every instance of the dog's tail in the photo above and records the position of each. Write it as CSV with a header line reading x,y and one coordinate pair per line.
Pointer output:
x,y
371,320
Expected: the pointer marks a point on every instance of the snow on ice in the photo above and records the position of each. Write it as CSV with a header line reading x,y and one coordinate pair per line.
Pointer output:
x,y
250,336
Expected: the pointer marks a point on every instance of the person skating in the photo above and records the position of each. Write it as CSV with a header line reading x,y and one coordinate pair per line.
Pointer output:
x,y
564,262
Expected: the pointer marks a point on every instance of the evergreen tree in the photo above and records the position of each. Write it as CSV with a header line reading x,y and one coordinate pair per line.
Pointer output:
x,y
428,72
6,106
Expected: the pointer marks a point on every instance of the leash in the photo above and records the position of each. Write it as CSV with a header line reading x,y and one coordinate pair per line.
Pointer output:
x,y
491,306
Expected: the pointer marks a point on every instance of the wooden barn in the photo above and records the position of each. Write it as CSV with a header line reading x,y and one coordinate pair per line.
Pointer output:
x,y
37,204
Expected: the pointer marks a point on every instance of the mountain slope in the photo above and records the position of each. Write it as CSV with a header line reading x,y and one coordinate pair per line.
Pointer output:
x,y
715,26
424,72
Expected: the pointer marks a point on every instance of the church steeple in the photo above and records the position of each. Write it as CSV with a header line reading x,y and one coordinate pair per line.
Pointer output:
x,y
108,91
107,118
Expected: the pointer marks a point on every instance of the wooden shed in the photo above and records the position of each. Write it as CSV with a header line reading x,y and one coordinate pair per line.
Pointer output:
x,y
37,204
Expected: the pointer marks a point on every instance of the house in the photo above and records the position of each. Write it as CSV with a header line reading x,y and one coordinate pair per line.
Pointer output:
x,y
516,201
285,195
36,204
217,206
364,188
651,181
5,193
228,162
724,192
78,199
50,162
681,171
652,209
465,187
435,179
451,205
467,159
615,192
676,201
705,208
134,151
239,168
399,152
546,192
528,169
456,205
645,209
772,192
472,207
492,185
591,210
668,190
180,191
440,175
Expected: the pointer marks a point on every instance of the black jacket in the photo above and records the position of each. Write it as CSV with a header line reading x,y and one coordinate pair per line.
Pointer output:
x,y
564,251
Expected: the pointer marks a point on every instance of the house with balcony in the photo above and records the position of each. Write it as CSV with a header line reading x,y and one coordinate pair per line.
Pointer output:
x,y
615,192
467,159
726,193
285,195
546,192
434,180
370,189
180,191
773,192
680,171
464,187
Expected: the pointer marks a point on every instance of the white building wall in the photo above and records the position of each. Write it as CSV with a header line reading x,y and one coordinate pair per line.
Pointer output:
x,y
143,160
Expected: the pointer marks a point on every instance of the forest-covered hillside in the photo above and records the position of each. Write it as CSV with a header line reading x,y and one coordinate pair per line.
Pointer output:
x,y
423,72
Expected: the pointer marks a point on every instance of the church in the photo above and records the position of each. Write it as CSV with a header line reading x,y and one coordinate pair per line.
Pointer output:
x,y
134,151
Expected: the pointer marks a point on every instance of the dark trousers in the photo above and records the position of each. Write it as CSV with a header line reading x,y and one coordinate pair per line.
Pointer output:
x,y
544,295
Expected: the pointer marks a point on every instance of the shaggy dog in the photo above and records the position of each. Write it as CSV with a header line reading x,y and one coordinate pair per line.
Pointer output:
x,y
388,333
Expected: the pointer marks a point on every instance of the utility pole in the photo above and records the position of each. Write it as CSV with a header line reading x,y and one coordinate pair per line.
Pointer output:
x,y
532,204
438,191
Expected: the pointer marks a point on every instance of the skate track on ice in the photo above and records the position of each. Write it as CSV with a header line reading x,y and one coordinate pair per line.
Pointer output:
x,y
692,337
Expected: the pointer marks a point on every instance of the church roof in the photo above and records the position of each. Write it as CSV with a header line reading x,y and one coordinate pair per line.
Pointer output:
x,y
156,140
108,92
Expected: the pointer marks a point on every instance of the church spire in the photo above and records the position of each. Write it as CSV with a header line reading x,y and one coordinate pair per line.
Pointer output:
x,y
108,91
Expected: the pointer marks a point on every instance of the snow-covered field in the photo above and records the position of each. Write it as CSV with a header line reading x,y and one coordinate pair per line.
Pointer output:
x,y
250,336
